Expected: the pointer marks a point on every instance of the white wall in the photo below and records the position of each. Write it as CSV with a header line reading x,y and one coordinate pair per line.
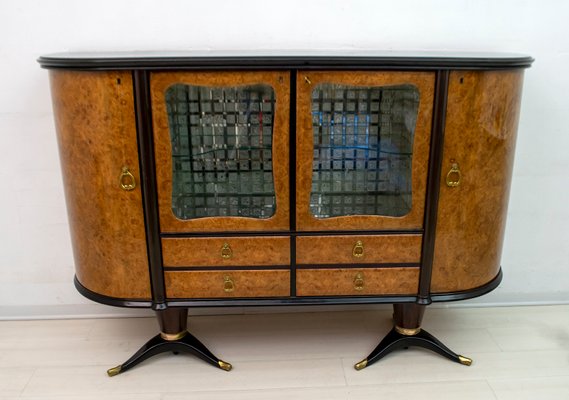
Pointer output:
x,y
36,265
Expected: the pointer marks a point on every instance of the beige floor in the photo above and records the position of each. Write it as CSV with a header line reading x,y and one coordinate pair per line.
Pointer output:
x,y
518,352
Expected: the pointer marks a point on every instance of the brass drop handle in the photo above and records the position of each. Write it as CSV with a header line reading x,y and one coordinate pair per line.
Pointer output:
x,y
307,80
454,176
359,281
228,284
226,251
126,180
358,249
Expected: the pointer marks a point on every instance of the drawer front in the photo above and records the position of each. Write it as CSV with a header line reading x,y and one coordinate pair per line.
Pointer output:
x,y
357,282
227,284
226,251
355,249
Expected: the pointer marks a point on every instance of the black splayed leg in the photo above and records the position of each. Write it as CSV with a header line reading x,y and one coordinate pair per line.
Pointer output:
x,y
407,333
179,342
395,340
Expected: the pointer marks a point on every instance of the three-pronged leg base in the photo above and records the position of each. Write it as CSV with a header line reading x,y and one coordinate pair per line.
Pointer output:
x,y
404,336
181,341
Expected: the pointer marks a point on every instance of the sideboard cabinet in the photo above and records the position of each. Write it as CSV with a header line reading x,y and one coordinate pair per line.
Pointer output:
x,y
197,180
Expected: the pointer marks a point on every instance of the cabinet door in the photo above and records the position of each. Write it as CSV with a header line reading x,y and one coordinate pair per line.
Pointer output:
x,y
96,132
362,149
221,143
480,138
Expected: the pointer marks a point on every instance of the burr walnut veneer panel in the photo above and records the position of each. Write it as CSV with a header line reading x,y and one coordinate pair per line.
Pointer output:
x,y
227,284
94,116
480,136
234,251
357,282
368,249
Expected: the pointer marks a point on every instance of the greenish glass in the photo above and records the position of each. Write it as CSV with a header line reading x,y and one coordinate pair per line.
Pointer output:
x,y
222,162
363,150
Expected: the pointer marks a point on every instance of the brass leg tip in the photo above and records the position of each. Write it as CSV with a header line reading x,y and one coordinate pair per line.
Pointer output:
x,y
224,366
465,360
114,371
361,365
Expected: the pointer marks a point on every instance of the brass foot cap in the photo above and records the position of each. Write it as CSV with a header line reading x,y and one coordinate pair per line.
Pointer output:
x,y
361,365
465,360
114,371
224,366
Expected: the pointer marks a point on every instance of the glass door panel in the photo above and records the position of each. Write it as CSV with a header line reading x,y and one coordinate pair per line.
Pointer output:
x,y
221,151
221,142
363,143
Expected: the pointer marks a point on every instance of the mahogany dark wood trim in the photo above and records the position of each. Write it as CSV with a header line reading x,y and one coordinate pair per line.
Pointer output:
x,y
408,316
469,294
141,81
286,301
289,233
357,266
173,320
226,268
217,61
110,301
433,181
296,266
292,180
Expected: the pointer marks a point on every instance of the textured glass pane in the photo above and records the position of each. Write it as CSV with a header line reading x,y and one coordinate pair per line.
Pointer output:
x,y
363,145
221,150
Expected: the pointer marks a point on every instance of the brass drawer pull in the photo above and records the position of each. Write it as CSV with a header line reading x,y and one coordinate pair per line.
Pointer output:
x,y
454,176
359,281
307,80
228,284
358,250
226,251
126,180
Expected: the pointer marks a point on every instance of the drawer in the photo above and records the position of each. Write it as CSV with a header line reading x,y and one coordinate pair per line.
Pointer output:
x,y
357,281
226,251
358,249
227,284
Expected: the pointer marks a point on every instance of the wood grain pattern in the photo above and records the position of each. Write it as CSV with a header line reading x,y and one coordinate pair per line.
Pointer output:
x,y
96,131
340,282
424,81
480,134
211,284
160,81
246,251
377,249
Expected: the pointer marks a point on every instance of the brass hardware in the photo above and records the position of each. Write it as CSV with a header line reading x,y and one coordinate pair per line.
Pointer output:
x,y
228,284
361,365
465,360
358,250
126,180
114,371
454,170
407,331
226,251
307,80
225,366
170,337
359,281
